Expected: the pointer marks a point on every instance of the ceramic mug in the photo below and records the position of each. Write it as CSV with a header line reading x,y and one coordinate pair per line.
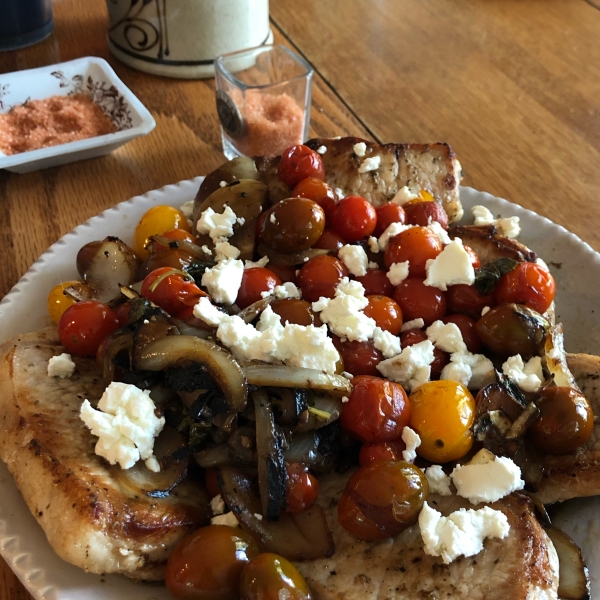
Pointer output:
x,y
181,38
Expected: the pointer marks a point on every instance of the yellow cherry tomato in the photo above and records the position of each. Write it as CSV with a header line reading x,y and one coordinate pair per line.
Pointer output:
x,y
58,301
157,221
442,413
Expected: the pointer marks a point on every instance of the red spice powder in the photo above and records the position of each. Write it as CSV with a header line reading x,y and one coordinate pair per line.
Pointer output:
x,y
50,122
273,123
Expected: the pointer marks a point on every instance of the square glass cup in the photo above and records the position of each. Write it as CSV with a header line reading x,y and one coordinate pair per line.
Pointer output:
x,y
263,100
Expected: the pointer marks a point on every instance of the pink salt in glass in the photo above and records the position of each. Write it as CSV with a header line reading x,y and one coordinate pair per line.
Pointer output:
x,y
263,100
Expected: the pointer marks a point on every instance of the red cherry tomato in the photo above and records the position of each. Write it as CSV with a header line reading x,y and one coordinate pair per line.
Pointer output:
x,y
360,358
529,284
417,300
320,276
376,282
172,291
284,272
440,358
313,188
174,234
83,327
122,313
465,299
377,410
386,215
298,163
329,240
385,312
423,213
353,218
416,245
467,329
211,482
473,256
381,451
302,488
255,281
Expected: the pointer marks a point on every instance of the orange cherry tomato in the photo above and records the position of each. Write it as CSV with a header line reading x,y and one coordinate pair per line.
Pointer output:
x,y
386,215
58,301
302,488
385,312
360,358
156,221
376,282
313,188
440,358
416,245
381,451
466,299
298,163
255,281
353,218
377,410
424,212
420,301
320,276
529,284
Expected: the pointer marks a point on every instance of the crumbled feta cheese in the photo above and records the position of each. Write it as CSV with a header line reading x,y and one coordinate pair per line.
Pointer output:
x,y
398,272
412,440
322,149
223,281
273,218
225,250
404,195
217,505
360,149
392,230
439,482
441,233
462,532
387,343
370,164
125,424
485,310
372,265
226,519
410,366
355,258
487,478
457,371
451,267
472,370
446,337
152,464
508,226
240,220
286,290
262,262
222,183
207,250
61,366
339,192
343,313
347,375
187,209
345,399
217,225
258,516
529,376
373,244
413,324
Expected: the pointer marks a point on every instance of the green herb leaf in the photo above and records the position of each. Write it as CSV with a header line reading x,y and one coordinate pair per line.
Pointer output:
x,y
486,278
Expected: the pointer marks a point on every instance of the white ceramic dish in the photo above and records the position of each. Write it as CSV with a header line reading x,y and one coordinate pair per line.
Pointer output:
x,y
22,542
92,76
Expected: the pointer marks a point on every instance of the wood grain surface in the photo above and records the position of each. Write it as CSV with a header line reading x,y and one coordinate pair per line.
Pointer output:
x,y
514,86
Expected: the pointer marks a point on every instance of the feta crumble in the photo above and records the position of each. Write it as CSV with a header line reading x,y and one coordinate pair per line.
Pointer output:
x,y
441,233
217,505
373,244
411,367
228,519
262,262
474,371
285,290
187,209
355,258
392,230
446,337
508,226
439,482
398,272
387,343
451,267
61,366
412,440
404,195
413,324
217,225
225,250
321,150
223,281
528,376
360,149
125,424
370,164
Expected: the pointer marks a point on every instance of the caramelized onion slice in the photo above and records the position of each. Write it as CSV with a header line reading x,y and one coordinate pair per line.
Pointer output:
x,y
283,376
299,536
556,358
222,367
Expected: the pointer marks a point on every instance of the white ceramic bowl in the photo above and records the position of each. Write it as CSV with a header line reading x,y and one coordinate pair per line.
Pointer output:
x,y
90,75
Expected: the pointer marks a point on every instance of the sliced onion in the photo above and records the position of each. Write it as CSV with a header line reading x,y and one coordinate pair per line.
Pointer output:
x,y
221,455
190,329
556,358
251,312
303,448
324,410
283,376
222,367
297,258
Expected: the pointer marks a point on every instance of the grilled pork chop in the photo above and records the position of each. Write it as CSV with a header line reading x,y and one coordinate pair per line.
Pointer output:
x,y
89,517
522,566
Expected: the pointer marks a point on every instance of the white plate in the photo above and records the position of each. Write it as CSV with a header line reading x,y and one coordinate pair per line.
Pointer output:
x,y
92,76
23,545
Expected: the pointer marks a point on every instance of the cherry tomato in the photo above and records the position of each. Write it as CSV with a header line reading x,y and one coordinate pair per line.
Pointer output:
x,y
255,281
58,301
122,313
416,245
353,218
382,499
211,482
381,451
313,188
172,291
385,312
329,240
424,212
360,358
174,235
386,215
328,205
529,284
284,272
207,564
155,222
173,258
377,410
83,327
566,420
440,358
272,577
442,413
302,488
465,299
473,256
320,276
467,329
298,163
376,282
420,301
296,312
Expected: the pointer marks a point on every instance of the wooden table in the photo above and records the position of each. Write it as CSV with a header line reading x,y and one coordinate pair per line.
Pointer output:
x,y
514,86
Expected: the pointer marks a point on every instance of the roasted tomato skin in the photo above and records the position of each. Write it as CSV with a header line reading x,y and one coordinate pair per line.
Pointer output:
x,y
360,358
298,163
302,488
377,410
529,284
